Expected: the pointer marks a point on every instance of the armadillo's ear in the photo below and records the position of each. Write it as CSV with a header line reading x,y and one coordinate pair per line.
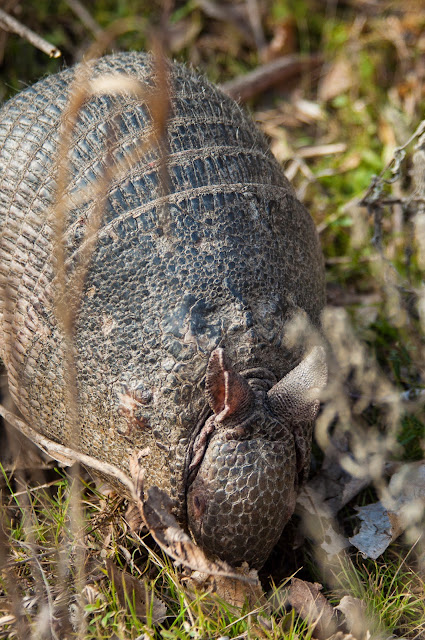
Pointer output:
x,y
296,396
227,392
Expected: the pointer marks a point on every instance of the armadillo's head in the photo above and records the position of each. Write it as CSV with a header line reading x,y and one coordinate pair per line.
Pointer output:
x,y
250,456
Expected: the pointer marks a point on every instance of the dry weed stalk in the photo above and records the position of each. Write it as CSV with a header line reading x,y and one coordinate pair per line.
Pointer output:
x,y
69,291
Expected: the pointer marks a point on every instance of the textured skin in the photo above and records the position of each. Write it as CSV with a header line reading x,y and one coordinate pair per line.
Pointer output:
x,y
240,473
240,256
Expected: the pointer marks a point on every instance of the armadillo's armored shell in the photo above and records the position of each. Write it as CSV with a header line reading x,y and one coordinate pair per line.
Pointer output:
x,y
238,255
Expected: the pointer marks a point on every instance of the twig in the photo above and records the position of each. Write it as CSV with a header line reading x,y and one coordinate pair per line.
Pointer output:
x,y
10,24
269,74
375,188
228,13
256,26
86,18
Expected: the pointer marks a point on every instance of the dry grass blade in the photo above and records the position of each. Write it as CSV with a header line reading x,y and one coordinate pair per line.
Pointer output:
x,y
86,18
69,287
161,105
66,302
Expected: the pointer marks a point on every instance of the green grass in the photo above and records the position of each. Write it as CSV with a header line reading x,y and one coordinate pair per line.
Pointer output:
x,y
392,590
41,560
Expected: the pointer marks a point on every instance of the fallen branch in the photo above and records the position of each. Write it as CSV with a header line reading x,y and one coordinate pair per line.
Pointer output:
x,y
269,74
85,16
11,24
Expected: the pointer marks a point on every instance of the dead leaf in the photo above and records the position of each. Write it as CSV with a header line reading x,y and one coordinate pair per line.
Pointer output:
x,y
402,508
337,80
376,531
240,593
233,591
134,517
132,592
312,606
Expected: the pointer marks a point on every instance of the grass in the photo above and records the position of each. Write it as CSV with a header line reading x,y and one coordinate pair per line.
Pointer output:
x,y
41,548
379,290
392,591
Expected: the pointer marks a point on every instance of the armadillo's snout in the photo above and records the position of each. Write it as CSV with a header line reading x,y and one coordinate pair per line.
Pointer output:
x,y
241,498
250,456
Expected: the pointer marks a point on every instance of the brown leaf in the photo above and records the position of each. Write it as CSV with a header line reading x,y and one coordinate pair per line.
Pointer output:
x,y
137,471
234,591
134,517
312,606
337,80
132,592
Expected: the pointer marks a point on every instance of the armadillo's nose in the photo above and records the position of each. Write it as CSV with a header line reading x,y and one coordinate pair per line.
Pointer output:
x,y
241,499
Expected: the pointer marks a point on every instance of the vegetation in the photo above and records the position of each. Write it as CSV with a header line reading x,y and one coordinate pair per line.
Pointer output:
x,y
333,127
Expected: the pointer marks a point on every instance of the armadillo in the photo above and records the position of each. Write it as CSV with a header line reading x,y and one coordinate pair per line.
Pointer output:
x,y
180,336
